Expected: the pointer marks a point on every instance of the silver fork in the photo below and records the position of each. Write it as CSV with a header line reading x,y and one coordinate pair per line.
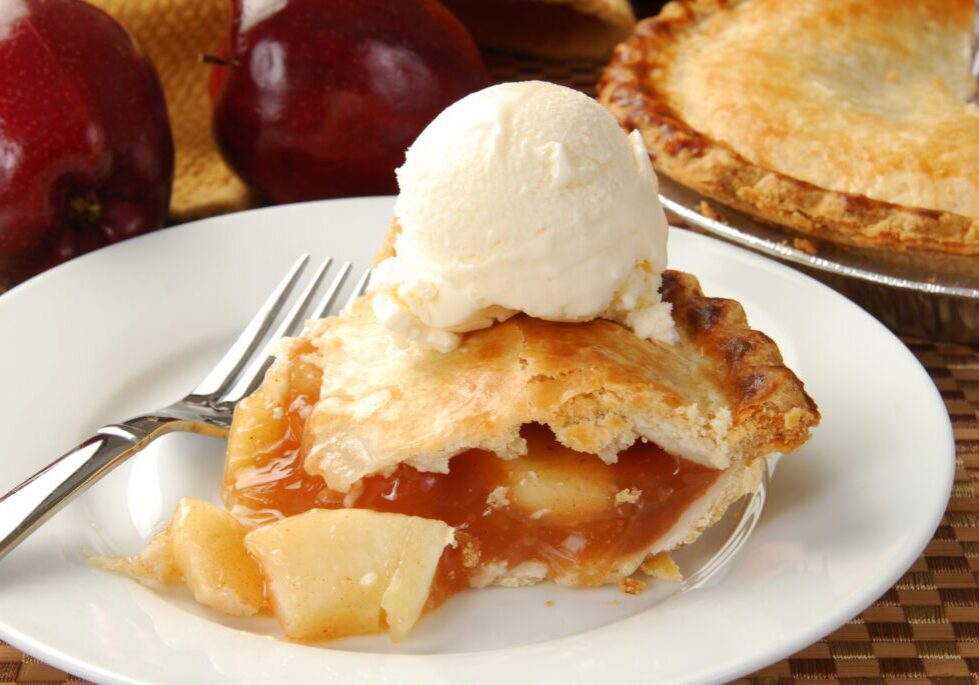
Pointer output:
x,y
206,410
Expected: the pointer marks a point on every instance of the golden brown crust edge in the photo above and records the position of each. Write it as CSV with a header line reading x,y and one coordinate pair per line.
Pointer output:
x,y
630,87
763,392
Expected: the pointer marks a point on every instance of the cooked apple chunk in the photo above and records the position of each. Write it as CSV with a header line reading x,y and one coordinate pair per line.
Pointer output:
x,y
208,548
559,484
332,573
204,547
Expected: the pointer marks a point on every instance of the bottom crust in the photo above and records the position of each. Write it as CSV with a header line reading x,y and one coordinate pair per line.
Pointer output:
x,y
732,485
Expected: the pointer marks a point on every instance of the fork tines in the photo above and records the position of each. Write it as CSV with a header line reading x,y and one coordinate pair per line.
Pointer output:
x,y
243,366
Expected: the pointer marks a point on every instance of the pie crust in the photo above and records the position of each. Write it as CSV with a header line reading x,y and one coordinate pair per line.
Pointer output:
x,y
813,114
720,395
721,398
379,539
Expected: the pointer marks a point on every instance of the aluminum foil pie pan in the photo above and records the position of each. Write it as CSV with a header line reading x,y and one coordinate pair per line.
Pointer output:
x,y
917,294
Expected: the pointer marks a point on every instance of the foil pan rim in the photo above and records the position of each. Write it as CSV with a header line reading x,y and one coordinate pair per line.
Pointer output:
x,y
923,273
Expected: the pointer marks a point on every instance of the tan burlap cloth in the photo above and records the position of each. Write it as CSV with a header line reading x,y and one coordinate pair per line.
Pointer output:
x,y
176,33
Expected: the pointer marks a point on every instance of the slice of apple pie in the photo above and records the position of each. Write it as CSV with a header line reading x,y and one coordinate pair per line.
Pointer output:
x,y
435,437
376,480
571,452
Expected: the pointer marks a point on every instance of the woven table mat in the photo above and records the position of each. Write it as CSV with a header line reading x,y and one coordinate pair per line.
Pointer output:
x,y
923,630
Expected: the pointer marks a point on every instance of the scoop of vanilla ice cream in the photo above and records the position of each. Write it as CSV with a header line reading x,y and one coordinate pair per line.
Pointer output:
x,y
524,197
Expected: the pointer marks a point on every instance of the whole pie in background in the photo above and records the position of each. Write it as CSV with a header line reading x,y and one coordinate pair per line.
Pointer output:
x,y
851,120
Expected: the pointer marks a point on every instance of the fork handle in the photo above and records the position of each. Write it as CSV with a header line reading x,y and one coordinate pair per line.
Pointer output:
x,y
42,495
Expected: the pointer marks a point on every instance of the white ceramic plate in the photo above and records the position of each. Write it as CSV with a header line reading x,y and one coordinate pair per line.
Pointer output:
x,y
132,327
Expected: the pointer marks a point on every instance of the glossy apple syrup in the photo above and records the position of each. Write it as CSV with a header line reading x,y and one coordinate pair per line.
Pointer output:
x,y
565,509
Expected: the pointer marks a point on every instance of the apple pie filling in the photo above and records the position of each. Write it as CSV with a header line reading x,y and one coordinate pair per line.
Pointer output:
x,y
553,512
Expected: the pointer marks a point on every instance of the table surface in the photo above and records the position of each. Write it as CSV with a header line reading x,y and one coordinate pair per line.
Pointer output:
x,y
923,630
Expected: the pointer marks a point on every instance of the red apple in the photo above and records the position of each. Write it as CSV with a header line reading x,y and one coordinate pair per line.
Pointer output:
x,y
86,156
320,98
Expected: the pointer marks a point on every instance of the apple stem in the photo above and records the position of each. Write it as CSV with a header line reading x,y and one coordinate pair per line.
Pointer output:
x,y
214,59
85,208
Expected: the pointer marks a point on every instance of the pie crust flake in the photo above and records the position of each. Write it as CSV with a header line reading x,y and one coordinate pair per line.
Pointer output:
x,y
847,119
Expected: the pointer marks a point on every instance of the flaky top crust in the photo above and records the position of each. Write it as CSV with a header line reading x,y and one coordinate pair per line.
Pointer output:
x,y
719,396
799,128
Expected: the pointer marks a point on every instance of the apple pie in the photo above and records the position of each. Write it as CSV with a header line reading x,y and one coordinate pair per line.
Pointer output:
x,y
571,452
366,482
852,120
434,437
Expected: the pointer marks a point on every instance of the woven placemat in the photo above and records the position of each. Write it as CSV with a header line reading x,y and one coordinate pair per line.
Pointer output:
x,y
923,630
